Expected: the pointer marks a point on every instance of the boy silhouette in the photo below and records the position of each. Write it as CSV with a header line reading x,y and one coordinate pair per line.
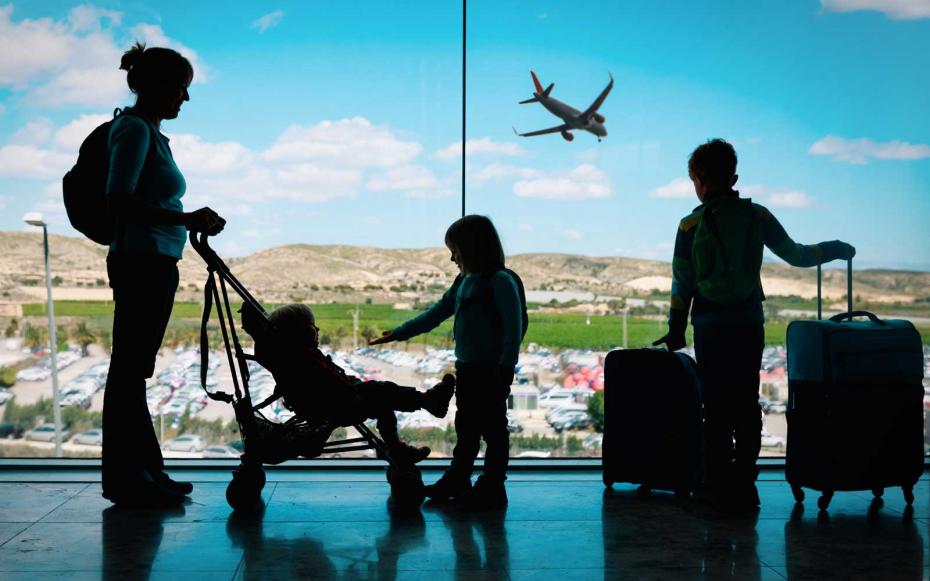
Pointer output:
x,y
715,274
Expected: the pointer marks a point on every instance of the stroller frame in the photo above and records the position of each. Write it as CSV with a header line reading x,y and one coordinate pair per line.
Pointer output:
x,y
244,490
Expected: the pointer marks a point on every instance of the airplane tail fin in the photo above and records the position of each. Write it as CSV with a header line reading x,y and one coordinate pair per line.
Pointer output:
x,y
548,90
536,82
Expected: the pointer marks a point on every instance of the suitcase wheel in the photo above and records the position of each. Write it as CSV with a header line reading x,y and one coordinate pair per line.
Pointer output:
x,y
878,492
824,501
798,493
908,494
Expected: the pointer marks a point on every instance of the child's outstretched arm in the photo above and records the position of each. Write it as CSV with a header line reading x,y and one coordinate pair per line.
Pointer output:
x,y
424,322
777,239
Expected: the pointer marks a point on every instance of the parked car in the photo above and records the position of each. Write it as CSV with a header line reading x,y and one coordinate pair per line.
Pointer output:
x,y
770,441
11,431
5,395
555,398
221,452
45,433
92,437
514,425
778,407
572,422
186,443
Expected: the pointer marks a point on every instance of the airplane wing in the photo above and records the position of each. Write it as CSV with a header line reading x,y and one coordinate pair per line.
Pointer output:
x,y
600,99
558,129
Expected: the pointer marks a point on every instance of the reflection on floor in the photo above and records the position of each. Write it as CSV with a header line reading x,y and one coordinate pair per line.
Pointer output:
x,y
559,526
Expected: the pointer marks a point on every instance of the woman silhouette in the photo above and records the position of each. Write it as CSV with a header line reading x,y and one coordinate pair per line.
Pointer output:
x,y
144,190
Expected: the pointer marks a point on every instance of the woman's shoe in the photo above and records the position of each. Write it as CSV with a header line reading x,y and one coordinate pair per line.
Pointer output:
x,y
183,488
487,494
147,494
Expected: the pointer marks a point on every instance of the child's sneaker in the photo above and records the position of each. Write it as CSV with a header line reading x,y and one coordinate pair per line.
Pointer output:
x,y
436,399
404,453
450,485
487,494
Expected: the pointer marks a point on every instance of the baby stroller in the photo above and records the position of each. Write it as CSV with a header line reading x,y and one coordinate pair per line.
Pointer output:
x,y
266,442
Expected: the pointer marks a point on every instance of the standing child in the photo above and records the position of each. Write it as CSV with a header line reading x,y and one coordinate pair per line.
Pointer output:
x,y
717,261
489,307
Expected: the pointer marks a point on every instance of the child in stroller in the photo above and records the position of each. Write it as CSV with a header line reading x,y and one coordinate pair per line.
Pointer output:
x,y
320,392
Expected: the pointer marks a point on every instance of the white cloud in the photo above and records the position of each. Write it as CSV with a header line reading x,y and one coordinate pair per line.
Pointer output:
x,y
348,142
498,171
859,151
71,136
31,162
584,182
588,155
525,227
269,20
572,234
5,201
34,132
84,86
90,18
789,199
199,158
677,188
404,177
483,146
895,9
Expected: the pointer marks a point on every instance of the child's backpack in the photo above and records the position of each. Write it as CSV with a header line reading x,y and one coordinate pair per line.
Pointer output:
x,y
84,188
727,252
487,296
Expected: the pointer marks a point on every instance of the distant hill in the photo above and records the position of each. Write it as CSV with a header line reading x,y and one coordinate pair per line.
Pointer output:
x,y
339,272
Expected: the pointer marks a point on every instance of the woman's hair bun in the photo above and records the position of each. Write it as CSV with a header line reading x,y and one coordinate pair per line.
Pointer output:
x,y
132,56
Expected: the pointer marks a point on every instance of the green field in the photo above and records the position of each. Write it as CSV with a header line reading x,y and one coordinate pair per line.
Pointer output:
x,y
556,330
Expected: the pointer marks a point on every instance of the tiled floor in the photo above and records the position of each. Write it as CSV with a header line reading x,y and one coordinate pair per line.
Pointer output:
x,y
561,526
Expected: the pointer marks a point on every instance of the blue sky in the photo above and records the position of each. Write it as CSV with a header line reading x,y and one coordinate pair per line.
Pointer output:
x,y
328,122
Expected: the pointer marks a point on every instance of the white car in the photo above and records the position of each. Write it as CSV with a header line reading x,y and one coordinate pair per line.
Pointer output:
x,y
45,433
770,441
555,398
185,443
221,452
92,437
777,407
5,395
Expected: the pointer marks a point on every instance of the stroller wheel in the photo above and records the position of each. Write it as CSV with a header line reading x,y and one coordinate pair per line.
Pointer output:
x,y
245,489
407,487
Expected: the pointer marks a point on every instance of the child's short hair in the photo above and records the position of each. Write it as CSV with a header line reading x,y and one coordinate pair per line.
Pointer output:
x,y
477,242
714,163
292,323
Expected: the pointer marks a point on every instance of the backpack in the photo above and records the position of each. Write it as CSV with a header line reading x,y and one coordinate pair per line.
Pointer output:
x,y
486,294
84,188
727,252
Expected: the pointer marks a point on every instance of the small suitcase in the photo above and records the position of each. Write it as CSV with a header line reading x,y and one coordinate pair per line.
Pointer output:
x,y
653,420
855,403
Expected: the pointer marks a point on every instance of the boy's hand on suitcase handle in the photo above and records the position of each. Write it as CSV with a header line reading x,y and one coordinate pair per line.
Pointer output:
x,y
837,250
673,341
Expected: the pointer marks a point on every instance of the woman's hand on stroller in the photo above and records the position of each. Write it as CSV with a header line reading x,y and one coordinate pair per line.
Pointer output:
x,y
204,220
386,337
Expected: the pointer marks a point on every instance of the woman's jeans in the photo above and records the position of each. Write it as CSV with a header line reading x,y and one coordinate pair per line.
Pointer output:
x,y
143,292
481,394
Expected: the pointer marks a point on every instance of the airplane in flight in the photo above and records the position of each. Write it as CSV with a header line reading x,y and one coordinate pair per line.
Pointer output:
x,y
588,120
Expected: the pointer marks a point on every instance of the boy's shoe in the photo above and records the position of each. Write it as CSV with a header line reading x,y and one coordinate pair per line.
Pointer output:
x,y
436,399
172,485
450,485
487,494
404,453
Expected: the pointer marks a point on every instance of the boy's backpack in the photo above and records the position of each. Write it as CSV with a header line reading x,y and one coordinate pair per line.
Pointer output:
x,y
84,188
486,294
727,252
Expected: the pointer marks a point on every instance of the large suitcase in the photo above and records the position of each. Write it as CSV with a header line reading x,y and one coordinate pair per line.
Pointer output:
x,y
855,406
653,420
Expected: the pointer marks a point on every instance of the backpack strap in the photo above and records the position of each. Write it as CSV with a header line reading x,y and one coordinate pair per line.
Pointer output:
x,y
153,144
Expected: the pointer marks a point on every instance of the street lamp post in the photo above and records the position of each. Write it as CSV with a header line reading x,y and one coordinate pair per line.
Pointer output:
x,y
35,219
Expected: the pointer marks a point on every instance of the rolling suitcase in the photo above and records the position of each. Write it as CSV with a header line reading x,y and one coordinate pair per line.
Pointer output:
x,y
653,420
855,404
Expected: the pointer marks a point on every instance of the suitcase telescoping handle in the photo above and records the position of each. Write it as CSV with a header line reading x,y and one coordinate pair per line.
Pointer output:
x,y
849,296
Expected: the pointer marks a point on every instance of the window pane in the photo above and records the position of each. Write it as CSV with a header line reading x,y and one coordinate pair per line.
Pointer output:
x,y
832,141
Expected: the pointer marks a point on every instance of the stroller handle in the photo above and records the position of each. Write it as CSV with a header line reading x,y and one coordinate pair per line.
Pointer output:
x,y
202,246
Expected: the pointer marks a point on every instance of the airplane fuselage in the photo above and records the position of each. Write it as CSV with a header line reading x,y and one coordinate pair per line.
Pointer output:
x,y
571,116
